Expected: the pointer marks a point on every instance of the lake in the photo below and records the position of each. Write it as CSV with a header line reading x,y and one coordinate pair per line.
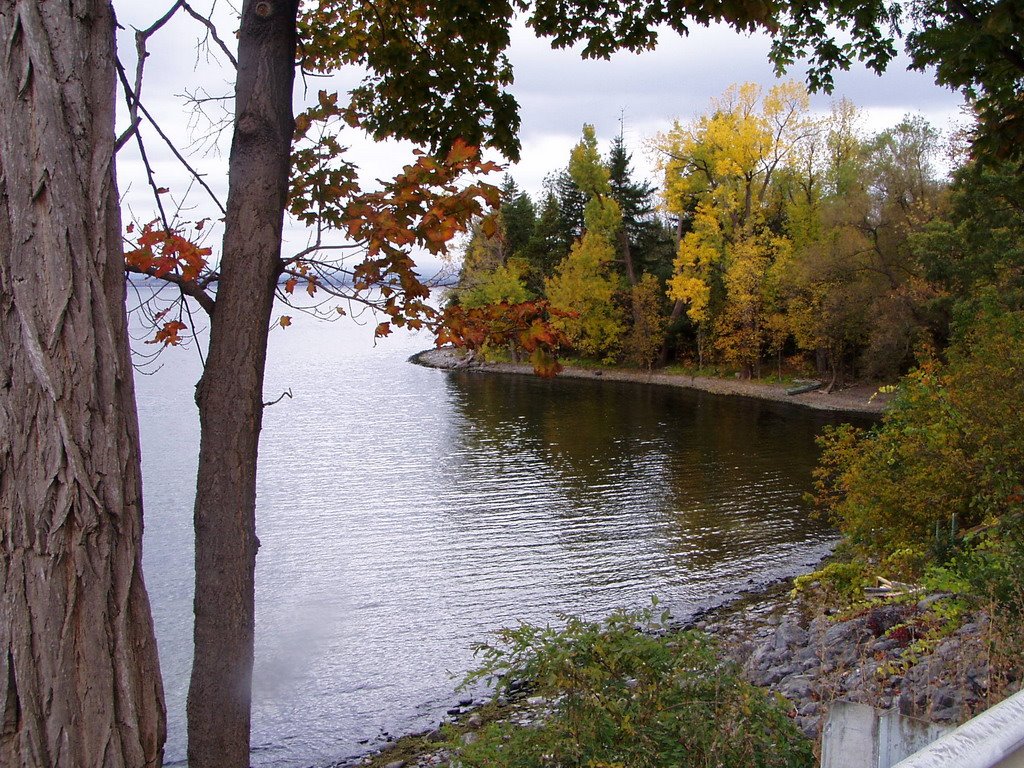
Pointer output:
x,y
405,513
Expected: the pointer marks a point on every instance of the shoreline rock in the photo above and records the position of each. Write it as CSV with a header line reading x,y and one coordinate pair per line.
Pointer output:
x,y
860,399
814,659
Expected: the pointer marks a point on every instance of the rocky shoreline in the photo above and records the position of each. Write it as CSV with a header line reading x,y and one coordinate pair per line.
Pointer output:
x,y
860,398
886,655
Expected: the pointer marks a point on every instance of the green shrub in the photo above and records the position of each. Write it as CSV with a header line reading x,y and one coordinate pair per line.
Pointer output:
x,y
990,565
946,458
841,582
625,696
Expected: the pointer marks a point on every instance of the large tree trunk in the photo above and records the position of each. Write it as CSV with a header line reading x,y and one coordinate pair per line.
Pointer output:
x,y
230,395
79,677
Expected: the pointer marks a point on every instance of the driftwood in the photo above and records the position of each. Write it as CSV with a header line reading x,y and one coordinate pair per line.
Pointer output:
x,y
888,588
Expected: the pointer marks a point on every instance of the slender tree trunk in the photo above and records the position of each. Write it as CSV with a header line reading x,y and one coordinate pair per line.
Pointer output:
x,y
677,312
79,676
821,360
230,394
627,255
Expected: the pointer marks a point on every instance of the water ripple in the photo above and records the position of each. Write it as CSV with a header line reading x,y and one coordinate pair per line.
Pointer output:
x,y
405,513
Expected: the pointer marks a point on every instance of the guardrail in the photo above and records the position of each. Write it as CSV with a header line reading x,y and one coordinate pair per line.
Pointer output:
x,y
993,739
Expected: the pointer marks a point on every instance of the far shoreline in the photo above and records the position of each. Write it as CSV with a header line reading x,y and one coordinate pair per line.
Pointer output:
x,y
859,399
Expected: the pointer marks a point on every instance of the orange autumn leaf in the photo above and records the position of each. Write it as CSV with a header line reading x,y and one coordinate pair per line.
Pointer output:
x,y
461,151
489,226
168,334
161,252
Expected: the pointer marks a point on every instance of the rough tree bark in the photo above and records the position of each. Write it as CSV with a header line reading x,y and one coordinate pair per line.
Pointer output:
x,y
230,394
79,676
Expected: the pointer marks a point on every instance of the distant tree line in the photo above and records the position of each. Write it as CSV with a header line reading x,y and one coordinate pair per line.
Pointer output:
x,y
778,240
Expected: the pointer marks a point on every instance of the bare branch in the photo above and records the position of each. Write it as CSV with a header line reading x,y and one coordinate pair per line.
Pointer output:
x,y
211,30
128,133
131,100
136,106
141,38
153,308
197,100
133,93
192,326
210,277
181,158
188,287
207,141
287,393
316,247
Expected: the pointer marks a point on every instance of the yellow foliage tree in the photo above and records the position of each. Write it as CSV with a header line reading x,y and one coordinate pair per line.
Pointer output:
x,y
583,283
503,283
583,286
719,172
751,320
585,166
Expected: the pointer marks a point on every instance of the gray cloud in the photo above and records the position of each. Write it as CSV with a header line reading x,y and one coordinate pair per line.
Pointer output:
x,y
558,91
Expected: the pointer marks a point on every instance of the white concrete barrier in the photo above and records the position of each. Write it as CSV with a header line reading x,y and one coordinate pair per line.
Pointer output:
x,y
860,736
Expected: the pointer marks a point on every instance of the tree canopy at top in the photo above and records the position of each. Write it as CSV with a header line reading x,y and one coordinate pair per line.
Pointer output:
x,y
437,69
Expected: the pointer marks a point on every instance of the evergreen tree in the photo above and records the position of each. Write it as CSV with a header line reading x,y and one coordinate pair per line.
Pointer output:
x,y
503,251
547,245
483,254
571,202
518,218
651,243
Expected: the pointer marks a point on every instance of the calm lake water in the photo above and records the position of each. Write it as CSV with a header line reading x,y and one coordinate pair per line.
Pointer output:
x,y
405,513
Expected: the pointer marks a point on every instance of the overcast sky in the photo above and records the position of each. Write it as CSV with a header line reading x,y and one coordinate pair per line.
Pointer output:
x,y
556,90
